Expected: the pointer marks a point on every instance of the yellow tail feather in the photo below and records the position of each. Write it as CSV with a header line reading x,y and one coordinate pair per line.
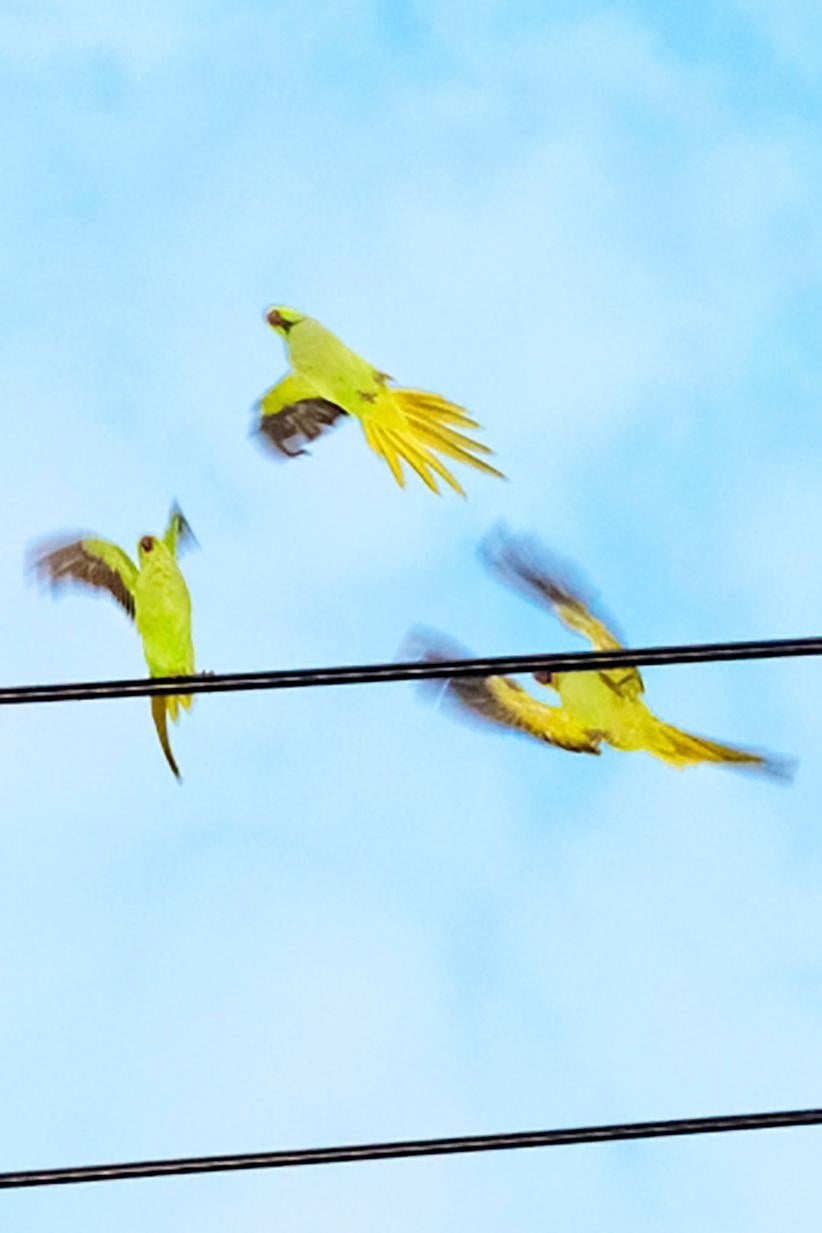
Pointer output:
x,y
421,459
380,445
415,432
683,749
439,441
436,408
441,433
175,701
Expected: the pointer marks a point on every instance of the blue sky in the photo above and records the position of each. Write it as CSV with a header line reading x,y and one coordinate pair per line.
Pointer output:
x,y
597,226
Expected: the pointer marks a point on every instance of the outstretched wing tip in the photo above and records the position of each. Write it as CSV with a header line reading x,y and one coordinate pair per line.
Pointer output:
x,y
185,536
543,576
423,644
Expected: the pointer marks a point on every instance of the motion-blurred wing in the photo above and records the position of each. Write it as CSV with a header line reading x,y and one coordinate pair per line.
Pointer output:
x,y
501,701
292,413
529,568
93,562
178,532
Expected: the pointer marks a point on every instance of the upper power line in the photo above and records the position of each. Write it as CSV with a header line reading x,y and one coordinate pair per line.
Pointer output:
x,y
417,670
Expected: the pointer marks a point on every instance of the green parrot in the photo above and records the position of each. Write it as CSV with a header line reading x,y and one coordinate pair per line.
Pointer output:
x,y
328,381
153,593
595,708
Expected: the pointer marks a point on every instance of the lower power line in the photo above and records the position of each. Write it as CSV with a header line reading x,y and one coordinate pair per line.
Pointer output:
x,y
359,1152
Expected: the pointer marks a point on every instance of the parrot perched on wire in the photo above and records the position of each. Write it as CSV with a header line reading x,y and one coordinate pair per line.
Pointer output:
x,y
328,381
595,707
153,593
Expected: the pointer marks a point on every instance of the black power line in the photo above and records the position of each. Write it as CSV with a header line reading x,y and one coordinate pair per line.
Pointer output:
x,y
417,670
406,1148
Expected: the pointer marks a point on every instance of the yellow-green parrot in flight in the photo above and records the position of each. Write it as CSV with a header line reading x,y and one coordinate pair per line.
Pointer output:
x,y
153,593
328,381
595,708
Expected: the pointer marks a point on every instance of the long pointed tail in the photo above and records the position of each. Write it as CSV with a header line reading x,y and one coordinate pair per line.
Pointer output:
x,y
159,707
683,749
425,427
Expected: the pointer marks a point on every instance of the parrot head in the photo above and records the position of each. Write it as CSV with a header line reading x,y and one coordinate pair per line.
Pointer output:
x,y
282,319
145,547
152,551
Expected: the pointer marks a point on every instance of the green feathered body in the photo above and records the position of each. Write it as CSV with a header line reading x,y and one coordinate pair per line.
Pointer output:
x,y
162,612
335,371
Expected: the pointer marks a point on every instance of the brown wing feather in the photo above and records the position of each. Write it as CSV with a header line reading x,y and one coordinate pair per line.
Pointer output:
x,y
297,423
500,700
74,562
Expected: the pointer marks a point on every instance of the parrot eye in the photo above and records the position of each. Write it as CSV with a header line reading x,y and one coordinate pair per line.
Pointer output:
x,y
277,321
146,543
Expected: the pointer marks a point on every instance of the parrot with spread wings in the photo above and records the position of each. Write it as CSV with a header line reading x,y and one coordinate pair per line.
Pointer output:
x,y
595,708
328,381
153,593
